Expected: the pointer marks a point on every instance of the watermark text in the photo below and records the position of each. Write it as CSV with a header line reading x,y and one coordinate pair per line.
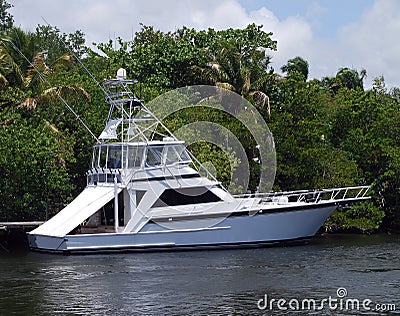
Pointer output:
x,y
339,302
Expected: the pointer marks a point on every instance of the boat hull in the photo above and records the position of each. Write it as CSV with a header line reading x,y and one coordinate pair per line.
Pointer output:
x,y
237,230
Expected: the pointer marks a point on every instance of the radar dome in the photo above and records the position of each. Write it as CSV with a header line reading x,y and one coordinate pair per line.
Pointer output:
x,y
121,74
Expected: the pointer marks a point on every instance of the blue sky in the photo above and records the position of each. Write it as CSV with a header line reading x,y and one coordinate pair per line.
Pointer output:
x,y
326,16
329,34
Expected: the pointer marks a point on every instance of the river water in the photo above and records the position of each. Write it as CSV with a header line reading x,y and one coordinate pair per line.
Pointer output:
x,y
333,272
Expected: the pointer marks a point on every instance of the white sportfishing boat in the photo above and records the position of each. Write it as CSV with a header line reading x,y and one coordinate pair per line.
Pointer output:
x,y
144,193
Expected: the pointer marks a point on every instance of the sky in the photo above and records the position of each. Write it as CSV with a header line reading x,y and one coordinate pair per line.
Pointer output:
x,y
329,34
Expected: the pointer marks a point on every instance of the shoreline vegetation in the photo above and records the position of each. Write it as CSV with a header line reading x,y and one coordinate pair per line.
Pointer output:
x,y
329,132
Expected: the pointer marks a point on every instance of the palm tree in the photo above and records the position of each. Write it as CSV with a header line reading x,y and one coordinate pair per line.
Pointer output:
x,y
233,70
350,78
345,78
10,72
298,65
31,75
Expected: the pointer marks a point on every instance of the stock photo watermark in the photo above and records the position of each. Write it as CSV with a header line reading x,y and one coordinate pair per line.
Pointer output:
x,y
340,302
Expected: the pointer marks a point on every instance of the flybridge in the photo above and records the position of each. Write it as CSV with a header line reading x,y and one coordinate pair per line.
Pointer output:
x,y
129,120
133,138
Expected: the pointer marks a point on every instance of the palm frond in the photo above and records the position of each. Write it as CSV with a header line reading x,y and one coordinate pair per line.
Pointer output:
x,y
225,85
261,100
52,95
9,69
29,104
51,126
64,61
38,68
66,92
204,73
3,81
262,81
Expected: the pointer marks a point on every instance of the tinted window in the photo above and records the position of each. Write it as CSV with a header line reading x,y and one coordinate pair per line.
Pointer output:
x,y
175,153
103,157
173,197
114,160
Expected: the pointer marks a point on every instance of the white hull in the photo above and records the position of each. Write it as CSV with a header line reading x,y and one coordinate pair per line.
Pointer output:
x,y
286,223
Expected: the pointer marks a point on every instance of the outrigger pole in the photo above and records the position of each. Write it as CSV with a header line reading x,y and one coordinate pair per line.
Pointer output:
x,y
83,66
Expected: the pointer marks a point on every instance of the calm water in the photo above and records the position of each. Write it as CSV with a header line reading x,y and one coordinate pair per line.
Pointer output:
x,y
225,282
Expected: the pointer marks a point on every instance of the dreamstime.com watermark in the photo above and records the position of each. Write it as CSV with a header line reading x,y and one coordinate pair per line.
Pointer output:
x,y
340,302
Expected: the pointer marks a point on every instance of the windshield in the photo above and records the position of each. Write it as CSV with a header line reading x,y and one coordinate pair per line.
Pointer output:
x,y
117,156
166,155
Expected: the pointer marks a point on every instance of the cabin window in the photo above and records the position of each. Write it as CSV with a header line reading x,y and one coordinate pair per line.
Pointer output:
x,y
114,159
176,153
103,157
171,155
175,197
154,155
135,156
166,155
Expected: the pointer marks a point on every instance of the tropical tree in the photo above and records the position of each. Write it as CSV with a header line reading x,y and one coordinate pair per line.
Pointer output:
x,y
6,19
306,156
37,154
33,79
159,61
345,78
33,166
238,61
367,127
234,59
350,78
49,39
298,65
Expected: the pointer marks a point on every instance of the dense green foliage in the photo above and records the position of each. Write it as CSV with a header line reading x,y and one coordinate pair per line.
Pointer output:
x,y
6,19
330,132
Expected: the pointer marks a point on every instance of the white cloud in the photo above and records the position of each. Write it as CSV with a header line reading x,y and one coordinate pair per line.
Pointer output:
x,y
370,43
101,19
294,35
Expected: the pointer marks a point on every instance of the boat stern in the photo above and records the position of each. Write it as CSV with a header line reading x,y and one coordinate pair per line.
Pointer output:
x,y
46,243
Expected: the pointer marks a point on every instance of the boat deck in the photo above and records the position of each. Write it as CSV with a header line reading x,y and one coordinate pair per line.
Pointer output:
x,y
20,225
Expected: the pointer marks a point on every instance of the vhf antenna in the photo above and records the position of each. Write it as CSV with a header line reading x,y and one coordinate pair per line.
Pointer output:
x,y
43,78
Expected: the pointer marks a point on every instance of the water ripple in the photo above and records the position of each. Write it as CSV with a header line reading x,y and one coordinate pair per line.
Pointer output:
x,y
201,283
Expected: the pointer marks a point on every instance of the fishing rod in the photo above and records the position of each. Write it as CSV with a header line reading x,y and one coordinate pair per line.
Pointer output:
x,y
44,79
